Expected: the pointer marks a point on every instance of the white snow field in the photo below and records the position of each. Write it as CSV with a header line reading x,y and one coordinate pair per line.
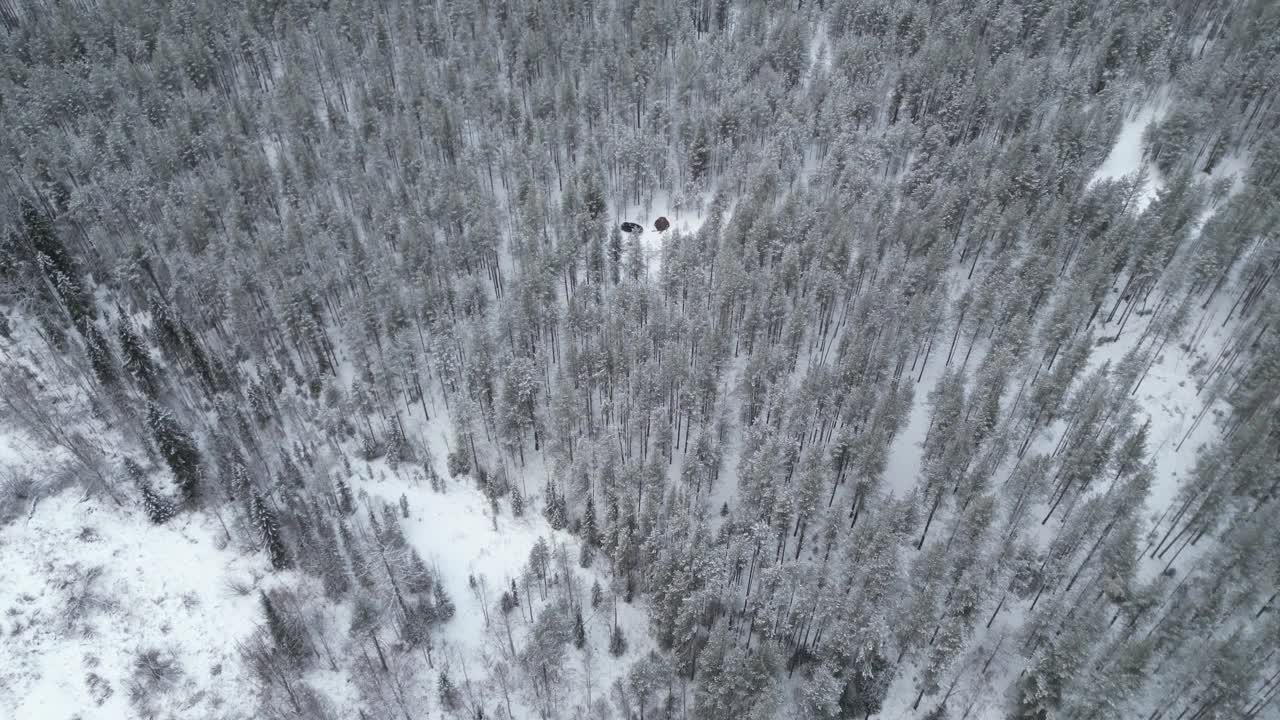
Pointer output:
x,y
104,614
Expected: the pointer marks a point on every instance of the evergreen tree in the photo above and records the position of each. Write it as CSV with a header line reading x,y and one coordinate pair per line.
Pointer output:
x,y
137,358
178,450
459,462
359,562
517,503
288,639
446,691
590,532
346,501
268,529
101,357
617,643
579,630
159,509
444,603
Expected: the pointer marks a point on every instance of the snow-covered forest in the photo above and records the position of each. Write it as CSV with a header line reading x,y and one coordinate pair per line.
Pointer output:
x,y
331,387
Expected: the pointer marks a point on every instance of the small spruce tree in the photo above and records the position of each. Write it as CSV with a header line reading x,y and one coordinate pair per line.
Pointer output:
x,y
617,643
444,603
517,503
159,508
178,449
448,693
288,641
579,630
346,501
264,520
590,530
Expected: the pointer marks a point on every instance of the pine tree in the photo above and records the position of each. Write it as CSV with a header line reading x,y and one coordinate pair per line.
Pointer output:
x,y
137,359
699,154
459,462
444,603
866,687
447,693
264,520
178,450
437,482
938,713
101,358
346,501
579,630
288,640
617,643
56,264
597,595
590,531
334,567
555,511
159,509
290,473
239,481
517,503
359,564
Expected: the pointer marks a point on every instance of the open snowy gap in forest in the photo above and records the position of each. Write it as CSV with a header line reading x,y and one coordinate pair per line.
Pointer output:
x,y
456,533
684,220
1127,156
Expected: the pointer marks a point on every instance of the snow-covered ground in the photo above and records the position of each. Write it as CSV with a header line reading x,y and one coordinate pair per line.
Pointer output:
x,y
1127,156
456,533
103,614
95,602
685,221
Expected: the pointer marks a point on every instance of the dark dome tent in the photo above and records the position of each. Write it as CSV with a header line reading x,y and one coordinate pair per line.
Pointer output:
x,y
661,224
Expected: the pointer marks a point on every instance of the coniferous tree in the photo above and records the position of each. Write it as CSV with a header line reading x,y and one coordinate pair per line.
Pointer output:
x,y
101,357
346,501
137,359
333,565
446,692
590,532
288,640
444,604
158,508
579,630
268,529
617,642
178,450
